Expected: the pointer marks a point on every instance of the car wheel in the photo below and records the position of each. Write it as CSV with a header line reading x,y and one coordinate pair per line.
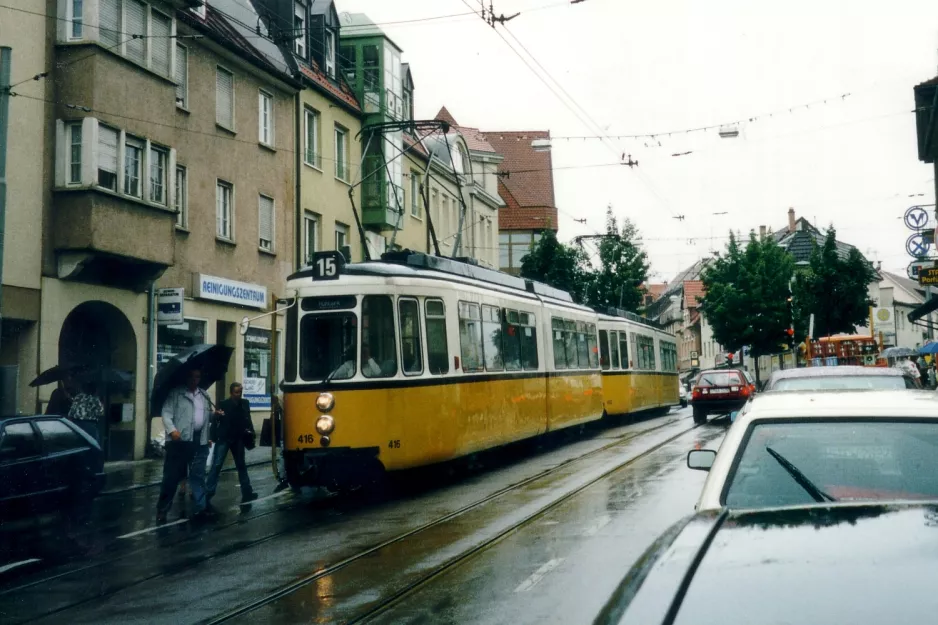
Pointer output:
x,y
699,416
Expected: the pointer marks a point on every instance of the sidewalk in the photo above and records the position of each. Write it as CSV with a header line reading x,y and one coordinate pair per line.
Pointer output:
x,y
131,475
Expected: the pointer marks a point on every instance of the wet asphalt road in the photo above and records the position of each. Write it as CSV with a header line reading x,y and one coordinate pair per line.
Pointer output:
x,y
539,533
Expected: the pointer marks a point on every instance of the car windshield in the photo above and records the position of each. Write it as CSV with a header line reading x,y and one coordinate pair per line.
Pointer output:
x,y
848,460
719,378
846,382
328,344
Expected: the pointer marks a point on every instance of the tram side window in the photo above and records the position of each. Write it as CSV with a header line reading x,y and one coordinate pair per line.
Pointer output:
x,y
411,354
437,349
646,352
614,345
624,349
528,332
511,340
604,350
569,343
328,344
379,351
560,358
470,336
591,343
492,338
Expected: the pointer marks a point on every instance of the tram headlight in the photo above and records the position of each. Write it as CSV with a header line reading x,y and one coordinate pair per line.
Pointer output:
x,y
325,402
325,424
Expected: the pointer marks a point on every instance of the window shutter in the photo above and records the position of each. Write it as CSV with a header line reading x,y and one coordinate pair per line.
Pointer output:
x,y
136,25
107,149
110,18
182,75
161,29
224,98
265,221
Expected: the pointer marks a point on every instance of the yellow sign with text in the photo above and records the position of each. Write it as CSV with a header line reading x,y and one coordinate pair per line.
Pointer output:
x,y
928,276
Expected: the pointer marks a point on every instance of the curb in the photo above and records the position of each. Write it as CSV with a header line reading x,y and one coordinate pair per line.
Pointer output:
x,y
126,489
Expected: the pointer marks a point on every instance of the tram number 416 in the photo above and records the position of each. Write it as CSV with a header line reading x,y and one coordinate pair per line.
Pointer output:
x,y
308,439
394,444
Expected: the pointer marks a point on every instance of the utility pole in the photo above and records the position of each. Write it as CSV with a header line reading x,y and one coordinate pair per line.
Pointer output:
x,y
6,60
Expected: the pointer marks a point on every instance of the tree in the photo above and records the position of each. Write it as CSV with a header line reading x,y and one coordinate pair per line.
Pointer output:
x,y
746,300
561,266
834,289
623,268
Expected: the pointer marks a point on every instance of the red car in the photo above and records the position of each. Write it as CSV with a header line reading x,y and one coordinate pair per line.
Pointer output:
x,y
720,391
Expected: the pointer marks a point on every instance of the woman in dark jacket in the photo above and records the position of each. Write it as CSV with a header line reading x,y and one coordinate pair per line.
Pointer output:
x,y
62,397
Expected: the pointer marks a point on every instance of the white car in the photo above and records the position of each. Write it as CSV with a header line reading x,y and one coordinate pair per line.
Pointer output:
x,y
796,448
682,393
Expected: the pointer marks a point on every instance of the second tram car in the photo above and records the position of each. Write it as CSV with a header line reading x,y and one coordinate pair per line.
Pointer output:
x,y
416,359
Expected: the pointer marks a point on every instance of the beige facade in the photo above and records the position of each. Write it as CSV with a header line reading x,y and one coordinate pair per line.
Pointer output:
x,y
414,233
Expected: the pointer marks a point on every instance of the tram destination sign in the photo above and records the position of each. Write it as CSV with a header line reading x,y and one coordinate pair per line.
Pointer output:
x,y
327,265
928,276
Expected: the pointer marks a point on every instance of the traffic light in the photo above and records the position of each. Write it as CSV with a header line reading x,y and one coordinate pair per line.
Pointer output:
x,y
790,332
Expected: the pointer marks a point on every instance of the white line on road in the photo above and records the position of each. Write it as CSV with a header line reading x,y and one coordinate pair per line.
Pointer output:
x,y
260,499
597,525
153,529
538,575
10,567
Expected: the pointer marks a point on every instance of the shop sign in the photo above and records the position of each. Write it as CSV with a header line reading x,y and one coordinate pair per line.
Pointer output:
x,y
255,391
169,306
230,291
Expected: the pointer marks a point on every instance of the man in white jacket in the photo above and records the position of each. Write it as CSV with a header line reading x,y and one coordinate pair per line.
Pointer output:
x,y
187,414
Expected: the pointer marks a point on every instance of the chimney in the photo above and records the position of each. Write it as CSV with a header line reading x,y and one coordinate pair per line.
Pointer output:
x,y
791,219
761,232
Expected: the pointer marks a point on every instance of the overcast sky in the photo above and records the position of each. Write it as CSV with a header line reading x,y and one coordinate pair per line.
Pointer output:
x,y
669,65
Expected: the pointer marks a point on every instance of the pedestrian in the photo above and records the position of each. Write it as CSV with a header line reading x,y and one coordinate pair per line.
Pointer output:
x,y
61,400
187,414
931,376
229,428
87,410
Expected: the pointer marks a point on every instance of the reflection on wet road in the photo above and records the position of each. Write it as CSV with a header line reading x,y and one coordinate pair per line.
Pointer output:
x,y
540,538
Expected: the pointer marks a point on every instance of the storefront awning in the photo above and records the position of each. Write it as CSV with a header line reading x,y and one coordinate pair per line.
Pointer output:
x,y
923,310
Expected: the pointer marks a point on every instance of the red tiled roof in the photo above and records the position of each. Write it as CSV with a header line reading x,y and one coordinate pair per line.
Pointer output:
x,y
693,292
445,116
531,181
338,89
655,290
475,140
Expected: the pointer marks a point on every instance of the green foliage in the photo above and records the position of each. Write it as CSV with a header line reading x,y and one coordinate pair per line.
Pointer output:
x,y
746,301
561,266
834,289
623,268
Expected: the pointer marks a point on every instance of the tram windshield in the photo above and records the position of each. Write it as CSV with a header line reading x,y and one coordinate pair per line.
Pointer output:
x,y
328,344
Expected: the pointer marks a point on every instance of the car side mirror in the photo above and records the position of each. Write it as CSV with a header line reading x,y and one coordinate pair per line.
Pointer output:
x,y
701,459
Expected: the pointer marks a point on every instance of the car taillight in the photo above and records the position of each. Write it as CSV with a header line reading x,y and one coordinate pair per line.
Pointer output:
x,y
745,391
695,393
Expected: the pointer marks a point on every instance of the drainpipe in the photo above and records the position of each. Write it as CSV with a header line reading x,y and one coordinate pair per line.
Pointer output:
x,y
151,373
298,201
6,61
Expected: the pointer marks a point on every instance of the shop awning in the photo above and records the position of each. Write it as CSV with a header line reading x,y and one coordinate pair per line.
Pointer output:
x,y
926,308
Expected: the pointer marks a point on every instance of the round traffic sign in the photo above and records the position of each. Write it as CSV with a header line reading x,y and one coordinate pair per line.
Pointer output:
x,y
917,246
916,218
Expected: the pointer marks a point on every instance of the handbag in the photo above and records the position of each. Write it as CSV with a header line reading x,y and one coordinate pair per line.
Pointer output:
x,y
248,438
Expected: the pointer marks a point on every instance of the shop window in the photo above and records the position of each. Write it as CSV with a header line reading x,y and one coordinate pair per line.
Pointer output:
x,y
171,340
470,336
379,351
437,349
411,353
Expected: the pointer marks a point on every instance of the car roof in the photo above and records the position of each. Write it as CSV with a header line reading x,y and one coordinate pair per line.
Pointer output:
x,y
20,417
842,403
838,371
808,564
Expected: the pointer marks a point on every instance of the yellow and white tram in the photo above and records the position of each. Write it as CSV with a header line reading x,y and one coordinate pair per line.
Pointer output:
x,y
417,359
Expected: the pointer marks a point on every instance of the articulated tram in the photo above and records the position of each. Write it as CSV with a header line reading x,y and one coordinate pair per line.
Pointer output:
x,y
416,359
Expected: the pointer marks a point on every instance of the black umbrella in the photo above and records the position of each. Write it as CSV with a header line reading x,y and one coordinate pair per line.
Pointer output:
x,y
211,360
55,374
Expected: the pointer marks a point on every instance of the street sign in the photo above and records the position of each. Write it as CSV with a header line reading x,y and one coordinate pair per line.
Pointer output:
x,y
916,218
916,265
169,306
928,276
917,246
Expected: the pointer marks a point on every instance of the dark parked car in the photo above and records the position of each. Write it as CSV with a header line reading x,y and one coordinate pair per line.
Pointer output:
x,y
720,391
813,564
46,463
840,378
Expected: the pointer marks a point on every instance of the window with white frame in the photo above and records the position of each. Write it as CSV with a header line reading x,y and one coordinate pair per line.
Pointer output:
x,y
341,153
110,23
159,161
299,29
135,31
182,76
415,194
265,118
182,197
74,153
224,195
330,53
161,30
224,98
341,236
311,223
76,21
133,164
311,153
107,157
265,222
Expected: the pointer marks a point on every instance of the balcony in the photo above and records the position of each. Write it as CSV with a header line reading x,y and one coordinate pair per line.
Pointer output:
x,y
105,239
379,206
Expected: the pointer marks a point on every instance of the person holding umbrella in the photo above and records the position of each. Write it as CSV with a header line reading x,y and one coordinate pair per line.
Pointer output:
x,y
187,412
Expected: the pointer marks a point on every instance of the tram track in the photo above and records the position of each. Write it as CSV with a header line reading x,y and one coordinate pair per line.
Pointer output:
x,y
411,587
